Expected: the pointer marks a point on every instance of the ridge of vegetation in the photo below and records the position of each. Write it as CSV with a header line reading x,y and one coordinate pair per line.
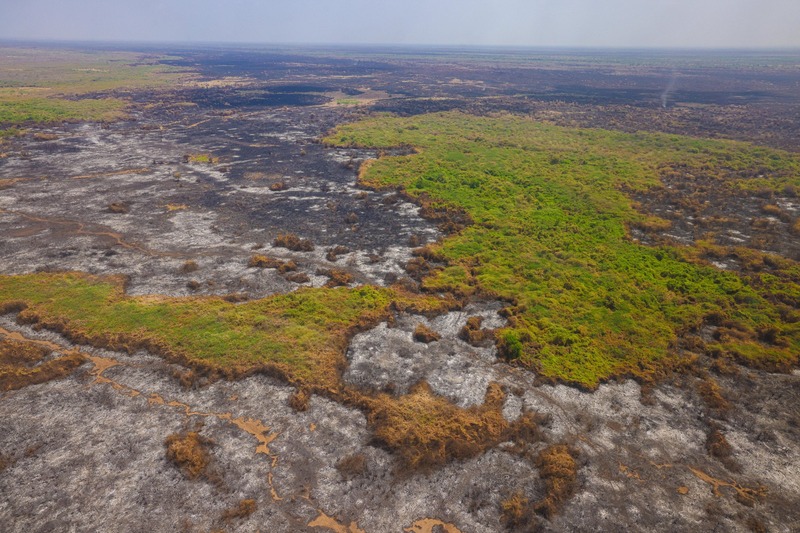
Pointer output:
x,y
549,234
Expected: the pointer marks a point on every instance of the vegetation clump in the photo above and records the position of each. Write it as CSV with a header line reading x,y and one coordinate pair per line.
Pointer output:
x,y
263,261
189,452
293,242
558,469
423,333
539,215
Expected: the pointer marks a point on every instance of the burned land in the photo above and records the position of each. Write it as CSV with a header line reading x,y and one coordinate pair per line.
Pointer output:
x,y
367,290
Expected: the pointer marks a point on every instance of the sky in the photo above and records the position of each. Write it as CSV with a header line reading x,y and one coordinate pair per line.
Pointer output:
x,y
573,23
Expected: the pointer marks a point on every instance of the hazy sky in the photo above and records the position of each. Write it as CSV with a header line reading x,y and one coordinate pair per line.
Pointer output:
x,y
625,23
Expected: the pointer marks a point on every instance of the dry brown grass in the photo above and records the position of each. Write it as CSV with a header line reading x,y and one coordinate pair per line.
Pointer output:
x,y
278,186
293,242
717,445
558,469
422,333
21,364
189,452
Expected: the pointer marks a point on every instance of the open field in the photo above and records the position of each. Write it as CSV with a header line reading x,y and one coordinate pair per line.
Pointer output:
x,y
398,290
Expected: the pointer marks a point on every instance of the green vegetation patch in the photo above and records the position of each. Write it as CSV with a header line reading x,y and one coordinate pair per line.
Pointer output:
x,y
20,110
301,335
549,234
40,85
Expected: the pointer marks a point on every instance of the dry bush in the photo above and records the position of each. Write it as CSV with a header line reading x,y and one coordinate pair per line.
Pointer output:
x,y
242,510
472,332
263,261
299,399
278,186
351,218
517,512
717,445
336,277
352,466
293,242
422,333
193,284
711,393
189,452
297,277
558,469
118,207
189,266
44,136
418,268
336,251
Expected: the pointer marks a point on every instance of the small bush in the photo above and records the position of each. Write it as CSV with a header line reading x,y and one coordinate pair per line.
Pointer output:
x,y
278,186
189,266
293,242
297,277
119,208
558,469
422,333
299,399
189,452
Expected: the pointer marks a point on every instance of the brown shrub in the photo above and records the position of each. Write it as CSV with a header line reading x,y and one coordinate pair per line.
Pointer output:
x,y
336,251
263,261
189,452
242,510
118,207
288,266
299,399
717,445
193,284
351,218
558,469
352,466
278,186
517,512
236,297
44,136
297,277
418,268
189,266
336,277
472,332
711,394
422,333
293,242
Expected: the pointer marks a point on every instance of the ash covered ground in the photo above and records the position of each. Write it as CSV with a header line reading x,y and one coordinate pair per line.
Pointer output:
x,y
205,175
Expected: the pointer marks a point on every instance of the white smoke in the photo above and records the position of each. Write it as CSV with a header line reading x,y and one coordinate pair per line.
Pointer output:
x,y
670,88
